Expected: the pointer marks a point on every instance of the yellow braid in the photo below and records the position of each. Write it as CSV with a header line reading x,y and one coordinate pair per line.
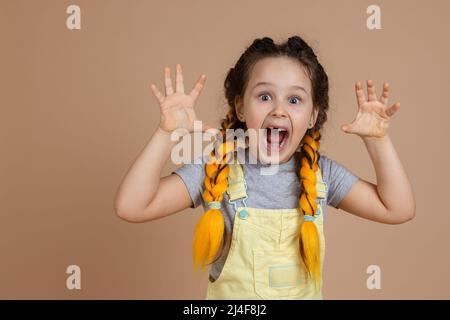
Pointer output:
x,y
309,236
209,230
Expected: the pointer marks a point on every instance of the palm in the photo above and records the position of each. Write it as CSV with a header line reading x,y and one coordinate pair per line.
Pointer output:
x,y
177,112
177,108
373,117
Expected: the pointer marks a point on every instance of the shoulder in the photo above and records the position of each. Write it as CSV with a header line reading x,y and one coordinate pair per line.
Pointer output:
x,y
192,174
192,170
325,164
331,169
338,177
195,163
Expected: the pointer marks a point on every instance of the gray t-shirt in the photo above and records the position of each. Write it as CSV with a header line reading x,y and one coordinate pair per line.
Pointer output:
x,y
261,193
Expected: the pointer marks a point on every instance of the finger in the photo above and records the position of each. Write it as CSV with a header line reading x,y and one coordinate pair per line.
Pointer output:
x,y
371,91
347,128
168,81
179,80
393,109
359,93
385,94
158,95
198,87
383,113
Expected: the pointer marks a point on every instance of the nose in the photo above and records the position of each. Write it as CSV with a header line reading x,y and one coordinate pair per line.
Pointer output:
x,y
278,110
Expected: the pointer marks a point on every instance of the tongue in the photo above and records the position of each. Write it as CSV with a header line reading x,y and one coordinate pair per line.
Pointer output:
x,y
273,137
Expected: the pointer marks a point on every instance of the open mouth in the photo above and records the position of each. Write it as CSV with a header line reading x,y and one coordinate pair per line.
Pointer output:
x,y
275,138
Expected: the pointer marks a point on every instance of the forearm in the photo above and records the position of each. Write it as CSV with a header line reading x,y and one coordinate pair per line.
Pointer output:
x,y
142,179
394,188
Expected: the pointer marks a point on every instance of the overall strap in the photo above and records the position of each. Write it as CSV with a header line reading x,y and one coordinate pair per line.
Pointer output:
x,y
237,186
321,186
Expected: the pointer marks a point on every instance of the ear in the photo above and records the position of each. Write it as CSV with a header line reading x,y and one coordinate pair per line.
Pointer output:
x,y
313,119
239,108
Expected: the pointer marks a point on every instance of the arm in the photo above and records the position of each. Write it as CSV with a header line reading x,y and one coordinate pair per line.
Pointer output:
x,y
391,200
143,195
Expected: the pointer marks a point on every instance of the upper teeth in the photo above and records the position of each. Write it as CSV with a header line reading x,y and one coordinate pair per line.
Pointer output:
x,y
279,129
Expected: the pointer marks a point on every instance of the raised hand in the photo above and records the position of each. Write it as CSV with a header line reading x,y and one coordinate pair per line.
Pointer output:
x,y
177,108
373,117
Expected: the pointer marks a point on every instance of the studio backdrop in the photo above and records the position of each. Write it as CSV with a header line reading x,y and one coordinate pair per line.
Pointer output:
x,y
76,110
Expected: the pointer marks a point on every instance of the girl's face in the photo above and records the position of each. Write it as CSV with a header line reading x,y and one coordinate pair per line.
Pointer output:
x,y
278,101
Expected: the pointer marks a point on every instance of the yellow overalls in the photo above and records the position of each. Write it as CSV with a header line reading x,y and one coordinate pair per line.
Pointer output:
x,y
264,260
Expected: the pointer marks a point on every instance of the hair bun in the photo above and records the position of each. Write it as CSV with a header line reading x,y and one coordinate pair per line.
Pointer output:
x,y
263,43
296,43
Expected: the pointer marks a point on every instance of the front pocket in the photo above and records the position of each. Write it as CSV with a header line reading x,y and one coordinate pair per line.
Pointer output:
x,y
279,274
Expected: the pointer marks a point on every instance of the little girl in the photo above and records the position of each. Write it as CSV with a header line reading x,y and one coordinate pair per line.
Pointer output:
x,y
263,234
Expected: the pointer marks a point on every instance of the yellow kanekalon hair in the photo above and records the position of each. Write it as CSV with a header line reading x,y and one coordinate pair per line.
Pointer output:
x,y
208,233
309,236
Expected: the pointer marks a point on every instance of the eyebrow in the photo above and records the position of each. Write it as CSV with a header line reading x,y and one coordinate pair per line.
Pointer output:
x,y
271,84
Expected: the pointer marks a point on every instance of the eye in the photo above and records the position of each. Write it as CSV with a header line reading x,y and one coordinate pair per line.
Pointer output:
x,y
263,95
298,98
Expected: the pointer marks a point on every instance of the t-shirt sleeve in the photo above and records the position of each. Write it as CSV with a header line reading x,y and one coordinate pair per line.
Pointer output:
x,y
193,175
338,178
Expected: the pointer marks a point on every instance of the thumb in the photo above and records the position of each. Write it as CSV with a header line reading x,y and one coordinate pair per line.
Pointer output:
x,y
208,128
347,128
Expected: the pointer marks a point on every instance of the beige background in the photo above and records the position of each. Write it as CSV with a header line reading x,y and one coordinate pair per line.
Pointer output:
x,y
76,111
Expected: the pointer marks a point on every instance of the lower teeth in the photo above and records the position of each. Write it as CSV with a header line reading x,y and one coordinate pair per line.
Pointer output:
x,y
276,145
